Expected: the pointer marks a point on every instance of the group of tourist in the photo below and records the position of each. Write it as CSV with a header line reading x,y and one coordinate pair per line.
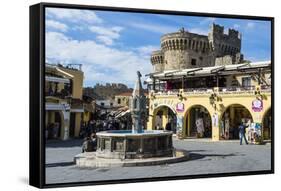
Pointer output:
x,y
88,131
52,131
90,143
168,127
94,126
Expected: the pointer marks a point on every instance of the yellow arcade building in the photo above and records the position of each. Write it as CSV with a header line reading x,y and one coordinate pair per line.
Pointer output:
x,y
64,108
201,86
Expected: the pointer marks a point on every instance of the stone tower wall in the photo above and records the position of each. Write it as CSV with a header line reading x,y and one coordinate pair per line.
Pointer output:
x,y
182,47
157,60
224,44
182,50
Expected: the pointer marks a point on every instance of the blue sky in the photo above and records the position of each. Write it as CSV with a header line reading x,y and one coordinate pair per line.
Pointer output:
x,y
112,46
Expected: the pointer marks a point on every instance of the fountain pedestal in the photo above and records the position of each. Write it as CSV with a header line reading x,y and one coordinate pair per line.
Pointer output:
x,y
128,145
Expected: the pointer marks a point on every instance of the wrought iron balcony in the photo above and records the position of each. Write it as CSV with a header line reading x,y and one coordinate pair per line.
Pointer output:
x,y
63,94
208,91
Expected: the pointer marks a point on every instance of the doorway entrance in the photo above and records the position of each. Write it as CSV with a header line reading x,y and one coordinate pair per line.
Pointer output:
x,y
198,122
165,119
231,119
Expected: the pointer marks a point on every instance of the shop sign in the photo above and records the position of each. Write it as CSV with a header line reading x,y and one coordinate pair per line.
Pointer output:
x,y
179,127
180,107
257,105
215,119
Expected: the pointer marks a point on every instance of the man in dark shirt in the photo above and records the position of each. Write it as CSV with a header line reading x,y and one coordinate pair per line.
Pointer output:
x,y
242,131
168,126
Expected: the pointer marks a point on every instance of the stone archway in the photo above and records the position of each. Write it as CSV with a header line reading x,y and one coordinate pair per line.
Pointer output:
x,y
54,124
164,118
231,118
198,122
267,124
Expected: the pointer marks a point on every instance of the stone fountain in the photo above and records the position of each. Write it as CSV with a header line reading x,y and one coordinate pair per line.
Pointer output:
x,y
132,147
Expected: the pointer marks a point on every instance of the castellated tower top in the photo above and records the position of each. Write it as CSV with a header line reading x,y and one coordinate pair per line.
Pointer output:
x,y
157,60
183,49
217,29
224,44
234,33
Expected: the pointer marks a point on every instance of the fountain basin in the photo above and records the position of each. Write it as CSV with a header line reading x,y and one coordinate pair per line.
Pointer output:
x,y
90,160
125,144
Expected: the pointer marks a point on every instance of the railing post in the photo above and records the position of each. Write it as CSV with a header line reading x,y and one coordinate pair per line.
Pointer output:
x,y
153,84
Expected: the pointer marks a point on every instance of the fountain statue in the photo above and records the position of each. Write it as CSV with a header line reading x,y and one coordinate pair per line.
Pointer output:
x,y
132,147
138,107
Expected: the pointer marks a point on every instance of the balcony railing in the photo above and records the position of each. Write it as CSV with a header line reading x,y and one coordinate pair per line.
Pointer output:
x,y
265,88
62,94
198,90
237,90
222,90
167,92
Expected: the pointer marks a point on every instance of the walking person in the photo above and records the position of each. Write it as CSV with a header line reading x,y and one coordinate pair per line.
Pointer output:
x,y
168,126
94,141
242,131
86,146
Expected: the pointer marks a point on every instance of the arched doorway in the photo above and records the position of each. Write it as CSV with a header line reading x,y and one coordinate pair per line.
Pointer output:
x,y
198,122
54,124
165,119
266,125
231,118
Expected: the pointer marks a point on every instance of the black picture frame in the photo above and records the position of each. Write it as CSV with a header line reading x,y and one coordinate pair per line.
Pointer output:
x,y
37,98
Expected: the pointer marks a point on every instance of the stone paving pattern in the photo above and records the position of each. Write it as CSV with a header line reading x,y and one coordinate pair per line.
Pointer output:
x,y
206,157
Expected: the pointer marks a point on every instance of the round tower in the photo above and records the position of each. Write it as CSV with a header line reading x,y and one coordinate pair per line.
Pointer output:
x,y
184,50
157,60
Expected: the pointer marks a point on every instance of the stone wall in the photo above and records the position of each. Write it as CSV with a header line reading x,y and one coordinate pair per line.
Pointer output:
x,y
225,60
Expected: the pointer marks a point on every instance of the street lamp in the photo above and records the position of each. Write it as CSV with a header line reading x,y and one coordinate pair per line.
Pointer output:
x,y
152,96
180,95
214,98
258,93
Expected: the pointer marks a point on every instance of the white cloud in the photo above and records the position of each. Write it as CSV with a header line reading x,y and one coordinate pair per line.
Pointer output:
x,y
105,40
111,32
77,28
73,15
207,20
146,50
96,59
236,26
51,24
156,28
250,25
106,35
198,31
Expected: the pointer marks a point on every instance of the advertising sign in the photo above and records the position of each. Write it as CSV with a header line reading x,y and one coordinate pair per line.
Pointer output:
x,y
180,107
179,126
257,105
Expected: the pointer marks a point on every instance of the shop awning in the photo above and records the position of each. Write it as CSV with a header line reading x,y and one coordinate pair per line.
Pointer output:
x,y
211,70
57,79
56,107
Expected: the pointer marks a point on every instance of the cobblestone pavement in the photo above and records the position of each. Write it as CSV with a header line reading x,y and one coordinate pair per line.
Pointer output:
x,y
206,157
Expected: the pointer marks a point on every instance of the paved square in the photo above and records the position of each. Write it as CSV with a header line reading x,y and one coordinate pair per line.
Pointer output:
x,y
206,157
